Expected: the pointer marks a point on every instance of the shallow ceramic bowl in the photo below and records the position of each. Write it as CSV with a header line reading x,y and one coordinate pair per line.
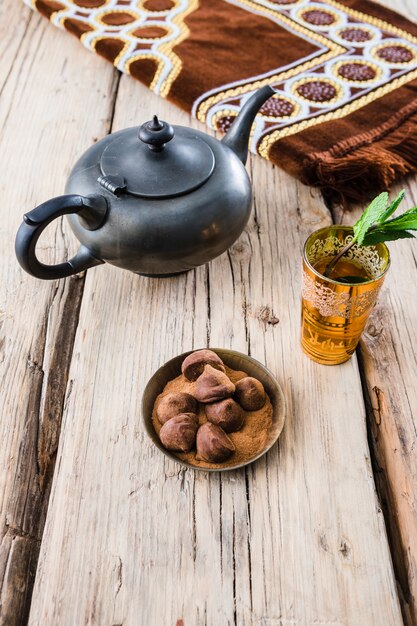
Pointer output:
x,y
236,361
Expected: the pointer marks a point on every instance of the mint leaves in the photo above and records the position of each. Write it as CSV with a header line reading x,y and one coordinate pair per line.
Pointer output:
x,y
381,235
372,214
374,226
393,206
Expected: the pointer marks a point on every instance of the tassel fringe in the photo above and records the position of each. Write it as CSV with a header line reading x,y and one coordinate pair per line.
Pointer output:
x,y
358,169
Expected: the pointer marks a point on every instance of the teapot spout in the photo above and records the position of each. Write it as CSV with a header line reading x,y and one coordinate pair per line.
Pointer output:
x,y
237,138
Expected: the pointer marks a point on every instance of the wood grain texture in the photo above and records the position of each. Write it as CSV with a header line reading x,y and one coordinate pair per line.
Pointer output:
x,y
295,540
388,362
132,538
37,319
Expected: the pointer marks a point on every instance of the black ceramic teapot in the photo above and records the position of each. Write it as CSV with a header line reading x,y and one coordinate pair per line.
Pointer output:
x,y
156,200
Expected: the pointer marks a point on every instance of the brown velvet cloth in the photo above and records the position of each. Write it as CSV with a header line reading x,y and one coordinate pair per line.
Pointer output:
x,y
345,113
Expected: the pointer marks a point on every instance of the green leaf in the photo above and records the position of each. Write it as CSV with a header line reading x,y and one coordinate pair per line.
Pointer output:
x,y
406,221
374,227
371,215
379,235
392,207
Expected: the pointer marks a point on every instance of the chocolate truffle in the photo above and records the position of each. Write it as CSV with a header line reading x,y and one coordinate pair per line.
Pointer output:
x,y
213,445
175,403
227,414
250,393
179,432
193,364
213,385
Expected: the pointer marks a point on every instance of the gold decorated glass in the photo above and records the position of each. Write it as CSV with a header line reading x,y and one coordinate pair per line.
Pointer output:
x,y
335,310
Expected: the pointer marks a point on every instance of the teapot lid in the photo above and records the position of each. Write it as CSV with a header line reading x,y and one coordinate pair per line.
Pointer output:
x,y
158,162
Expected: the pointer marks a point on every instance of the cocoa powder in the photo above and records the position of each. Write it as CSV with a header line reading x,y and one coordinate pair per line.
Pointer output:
x,y
249,441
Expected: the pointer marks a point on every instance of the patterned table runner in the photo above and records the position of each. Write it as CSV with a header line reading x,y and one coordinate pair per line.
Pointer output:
x,y
345,113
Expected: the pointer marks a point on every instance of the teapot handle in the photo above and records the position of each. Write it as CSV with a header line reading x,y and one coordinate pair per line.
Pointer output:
x,y
92,209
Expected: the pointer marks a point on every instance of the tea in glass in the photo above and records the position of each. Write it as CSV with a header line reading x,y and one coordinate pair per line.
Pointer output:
x,y
335,310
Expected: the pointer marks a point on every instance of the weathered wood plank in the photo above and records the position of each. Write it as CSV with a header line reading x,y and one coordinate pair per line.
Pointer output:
x,y
61,104
12,37
132,538
388,362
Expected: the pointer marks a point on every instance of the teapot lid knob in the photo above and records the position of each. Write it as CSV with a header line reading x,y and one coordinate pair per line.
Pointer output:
x,y
141,162
156,134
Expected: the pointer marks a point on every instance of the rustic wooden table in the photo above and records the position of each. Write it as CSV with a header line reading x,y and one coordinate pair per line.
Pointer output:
x,y
96,525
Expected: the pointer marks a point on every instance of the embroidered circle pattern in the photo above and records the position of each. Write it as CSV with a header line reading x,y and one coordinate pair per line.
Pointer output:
x,y
116,18
224,122
344,79
395,54
356,35
317,17
142,37
279,107
137,36
356,71
317,91
158,5
90,4
150,32
285,3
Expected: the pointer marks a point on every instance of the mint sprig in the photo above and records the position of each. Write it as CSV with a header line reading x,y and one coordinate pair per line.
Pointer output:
x,y
374,226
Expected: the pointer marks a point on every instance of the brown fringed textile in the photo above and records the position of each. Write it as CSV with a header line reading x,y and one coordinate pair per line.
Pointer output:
x,y
345,113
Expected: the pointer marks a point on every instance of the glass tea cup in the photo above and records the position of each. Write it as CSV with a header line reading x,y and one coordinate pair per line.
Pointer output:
x,y
335,310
